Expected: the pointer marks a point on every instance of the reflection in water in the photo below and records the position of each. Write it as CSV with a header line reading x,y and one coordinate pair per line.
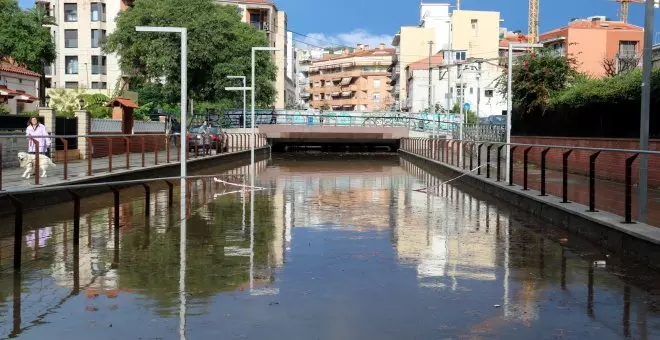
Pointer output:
x,y
342,249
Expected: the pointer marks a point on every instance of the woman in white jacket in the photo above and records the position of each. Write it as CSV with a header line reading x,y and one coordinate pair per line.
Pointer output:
x,y
37,131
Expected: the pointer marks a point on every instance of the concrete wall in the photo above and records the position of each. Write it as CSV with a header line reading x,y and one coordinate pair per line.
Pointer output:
x,y
10,149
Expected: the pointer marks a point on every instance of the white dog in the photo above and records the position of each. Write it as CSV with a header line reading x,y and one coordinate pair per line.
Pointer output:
x,y
27,161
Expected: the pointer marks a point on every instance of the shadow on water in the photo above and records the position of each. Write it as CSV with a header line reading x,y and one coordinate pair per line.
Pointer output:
x,y
343,246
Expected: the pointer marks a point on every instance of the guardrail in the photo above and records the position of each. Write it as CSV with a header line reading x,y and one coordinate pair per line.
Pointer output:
x,y
98,154
599,178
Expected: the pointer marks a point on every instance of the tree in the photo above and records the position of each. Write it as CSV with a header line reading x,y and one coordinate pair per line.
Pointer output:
x,y
609,66
66,101
219,44
536,77
25,39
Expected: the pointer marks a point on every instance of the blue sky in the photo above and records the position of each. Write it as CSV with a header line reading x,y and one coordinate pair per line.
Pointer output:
x,y
372,21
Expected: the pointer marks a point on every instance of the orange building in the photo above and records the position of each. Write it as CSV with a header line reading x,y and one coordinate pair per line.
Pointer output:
x,y
594,40
357,81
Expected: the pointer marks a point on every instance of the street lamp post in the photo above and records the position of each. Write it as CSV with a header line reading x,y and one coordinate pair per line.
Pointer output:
x,y
509,101
245,88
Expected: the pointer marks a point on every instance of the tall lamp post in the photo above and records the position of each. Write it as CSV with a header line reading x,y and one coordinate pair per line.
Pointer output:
x,y
509,100
245,88
184,159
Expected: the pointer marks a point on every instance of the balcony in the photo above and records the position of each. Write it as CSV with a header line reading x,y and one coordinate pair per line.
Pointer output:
x,y
303,81
99,69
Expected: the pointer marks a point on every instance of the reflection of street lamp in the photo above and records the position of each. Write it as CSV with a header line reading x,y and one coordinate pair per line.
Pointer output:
x,y
244,96
509,101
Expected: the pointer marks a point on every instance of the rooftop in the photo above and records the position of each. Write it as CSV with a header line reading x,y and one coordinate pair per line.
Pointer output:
x,y
597,24
10,66
385,52
423,64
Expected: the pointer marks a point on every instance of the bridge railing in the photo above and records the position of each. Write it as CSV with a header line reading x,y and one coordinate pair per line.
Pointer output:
x,y
601,179
27,161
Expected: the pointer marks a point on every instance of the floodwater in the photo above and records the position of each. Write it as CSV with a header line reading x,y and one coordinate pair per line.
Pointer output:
x,y
342,247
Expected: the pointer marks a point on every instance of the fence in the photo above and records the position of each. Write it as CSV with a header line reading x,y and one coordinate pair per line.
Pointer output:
x,y
104,154
610,184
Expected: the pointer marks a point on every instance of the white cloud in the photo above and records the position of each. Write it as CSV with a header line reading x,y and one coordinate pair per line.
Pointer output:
x,y
350,39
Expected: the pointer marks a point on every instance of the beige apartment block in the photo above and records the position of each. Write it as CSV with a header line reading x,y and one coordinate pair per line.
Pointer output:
x,y
264,16
357,81
81,26
477,33
411,44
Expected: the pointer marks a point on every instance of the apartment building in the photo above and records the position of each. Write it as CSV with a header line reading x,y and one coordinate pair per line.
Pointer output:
x,y
352,81
265,16
81,26
596,39
304,58
411,44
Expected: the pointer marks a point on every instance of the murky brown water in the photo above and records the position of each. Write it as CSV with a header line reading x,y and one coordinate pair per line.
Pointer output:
x,y
343,247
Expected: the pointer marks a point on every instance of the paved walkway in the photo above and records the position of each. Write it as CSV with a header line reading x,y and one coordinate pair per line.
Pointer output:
x,y
12,180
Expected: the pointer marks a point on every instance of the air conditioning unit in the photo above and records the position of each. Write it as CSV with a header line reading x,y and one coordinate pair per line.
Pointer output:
x,y
266,27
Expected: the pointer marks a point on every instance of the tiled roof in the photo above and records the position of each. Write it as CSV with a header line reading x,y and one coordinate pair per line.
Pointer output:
x,y
125,102
5,91
597,24
13,68
423,64
26,97
362,53
518,38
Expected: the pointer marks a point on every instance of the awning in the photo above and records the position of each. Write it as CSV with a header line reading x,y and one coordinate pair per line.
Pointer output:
x,y
6,92
21,96
346,93
336,79
345,81
335,94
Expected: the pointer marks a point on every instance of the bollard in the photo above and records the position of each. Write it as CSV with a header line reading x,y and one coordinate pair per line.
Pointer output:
x,y
66,159
525,166
592,181
147,199
513,149
76,217
128,152
628,202
109,139
499,163
564,188
18,231
544,154
170,193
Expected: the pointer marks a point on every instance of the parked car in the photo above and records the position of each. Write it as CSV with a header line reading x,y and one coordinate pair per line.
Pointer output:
x,y
210,141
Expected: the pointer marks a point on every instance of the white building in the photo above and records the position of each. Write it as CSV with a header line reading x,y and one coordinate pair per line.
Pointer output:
x,y
80,28
18,88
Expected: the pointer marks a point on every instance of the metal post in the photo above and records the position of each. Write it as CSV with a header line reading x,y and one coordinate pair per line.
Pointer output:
x,y
647,66
244,104
513,149
526,166
430,75
110,152
170,194
592,181
628,206
544,154
115,193
128,152
488,149
89,155
479,159
499,161
76,218
142,145
36,162
565,176
66,160
156,150
18,232
509,104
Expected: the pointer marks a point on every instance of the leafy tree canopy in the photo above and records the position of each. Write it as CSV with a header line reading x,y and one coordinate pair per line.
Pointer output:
x,y
219,44
537,77
23,36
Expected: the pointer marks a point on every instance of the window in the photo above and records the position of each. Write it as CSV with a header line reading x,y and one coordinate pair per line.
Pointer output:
x,y
71,64
99,64
475,27
98,85
460,89
376,98
255,20
627,49
71,84
472,90
97,11
376,83
70,12
489,93
71,38
98,36
460,56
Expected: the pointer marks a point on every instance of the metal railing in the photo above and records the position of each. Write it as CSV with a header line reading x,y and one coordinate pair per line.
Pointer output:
x,y
600,178
102,154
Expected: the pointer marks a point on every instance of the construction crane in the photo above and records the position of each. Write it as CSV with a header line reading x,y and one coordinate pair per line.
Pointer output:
x,y
623,14
533,21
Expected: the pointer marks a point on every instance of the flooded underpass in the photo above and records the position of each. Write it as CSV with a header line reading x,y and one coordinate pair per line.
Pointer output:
x,y
343,246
